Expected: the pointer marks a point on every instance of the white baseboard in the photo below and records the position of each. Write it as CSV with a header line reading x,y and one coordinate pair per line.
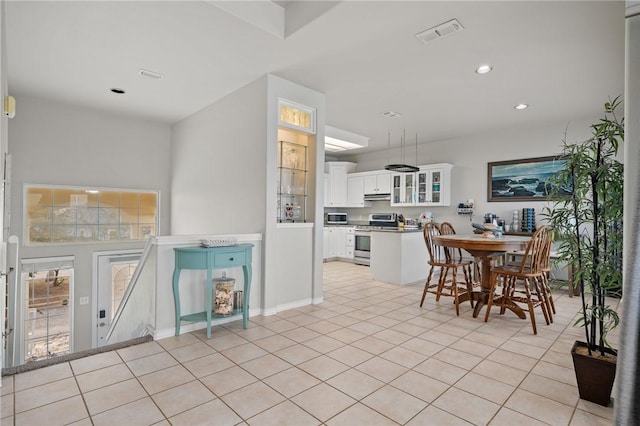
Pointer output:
x,y
189,327
193,326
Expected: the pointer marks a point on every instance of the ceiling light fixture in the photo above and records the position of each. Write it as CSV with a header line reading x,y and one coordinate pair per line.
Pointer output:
x,y
150,74
118,91
483,69
521,106
336,140
402,167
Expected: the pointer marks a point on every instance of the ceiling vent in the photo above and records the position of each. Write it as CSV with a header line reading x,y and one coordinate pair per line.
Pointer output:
x,y
440,31
392,114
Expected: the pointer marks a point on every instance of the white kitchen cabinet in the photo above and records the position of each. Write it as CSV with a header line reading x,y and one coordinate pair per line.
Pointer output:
x,y
327,190
326,241
338,171
403,189
434,185
430,186
340,235
339,242
330,240
355,191
377,183
350,242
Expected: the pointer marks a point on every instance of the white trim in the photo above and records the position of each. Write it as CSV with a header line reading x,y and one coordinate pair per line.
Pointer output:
x,y
318,300
93,297
293,305
195,239
187,328
269,312
33,260
294,225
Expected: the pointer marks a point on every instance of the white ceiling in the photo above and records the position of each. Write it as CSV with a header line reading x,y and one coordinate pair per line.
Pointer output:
x,y
565,59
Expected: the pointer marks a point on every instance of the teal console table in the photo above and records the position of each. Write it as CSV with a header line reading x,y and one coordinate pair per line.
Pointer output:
x,y
210,258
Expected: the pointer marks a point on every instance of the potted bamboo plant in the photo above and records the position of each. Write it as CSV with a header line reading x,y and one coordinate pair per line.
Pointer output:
x,y
586,215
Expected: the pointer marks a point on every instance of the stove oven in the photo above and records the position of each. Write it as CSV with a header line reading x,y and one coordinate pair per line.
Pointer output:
x,y
362,251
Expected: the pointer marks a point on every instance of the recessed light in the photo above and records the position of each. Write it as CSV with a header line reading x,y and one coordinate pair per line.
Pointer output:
x,y
118,91
483,69
521,106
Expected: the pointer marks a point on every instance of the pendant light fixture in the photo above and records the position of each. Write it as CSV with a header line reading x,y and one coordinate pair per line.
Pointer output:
x,y
403,167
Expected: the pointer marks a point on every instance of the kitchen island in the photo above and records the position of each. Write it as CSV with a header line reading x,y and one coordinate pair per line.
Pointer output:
x,y
398,257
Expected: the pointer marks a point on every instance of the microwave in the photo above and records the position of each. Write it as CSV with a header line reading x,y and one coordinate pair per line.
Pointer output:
x,y
336,218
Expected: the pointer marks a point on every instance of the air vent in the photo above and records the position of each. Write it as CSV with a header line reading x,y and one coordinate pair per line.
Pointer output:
x,y
440,31
392,114
150,74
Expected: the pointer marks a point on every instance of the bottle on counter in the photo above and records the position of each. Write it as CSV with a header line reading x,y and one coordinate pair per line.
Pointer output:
x,y
515,222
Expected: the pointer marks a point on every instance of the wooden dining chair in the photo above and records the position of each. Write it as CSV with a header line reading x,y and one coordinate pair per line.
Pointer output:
x,y
522,283
446,228
545,266
448,261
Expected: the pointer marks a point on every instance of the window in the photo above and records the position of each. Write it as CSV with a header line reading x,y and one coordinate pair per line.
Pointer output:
x,y
121,274
48,290
73,215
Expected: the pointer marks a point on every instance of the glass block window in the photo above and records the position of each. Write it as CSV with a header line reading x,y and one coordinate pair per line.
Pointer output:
x,y
62,215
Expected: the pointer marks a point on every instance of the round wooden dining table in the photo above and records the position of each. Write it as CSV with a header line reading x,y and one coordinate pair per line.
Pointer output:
x,y
484,248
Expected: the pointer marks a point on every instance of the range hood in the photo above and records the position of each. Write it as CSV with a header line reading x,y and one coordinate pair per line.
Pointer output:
x,y
377,197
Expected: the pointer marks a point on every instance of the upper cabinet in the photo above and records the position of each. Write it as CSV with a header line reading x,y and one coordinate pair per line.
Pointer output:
x,y
434,185
296,116
355,191
430,186
338,185
377,183
403,189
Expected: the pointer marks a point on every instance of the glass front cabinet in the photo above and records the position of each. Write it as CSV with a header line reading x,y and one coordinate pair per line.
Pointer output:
x,y
403,189
292,182
431,186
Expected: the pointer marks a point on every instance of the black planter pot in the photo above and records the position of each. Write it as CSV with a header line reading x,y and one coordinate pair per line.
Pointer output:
x,y
595,376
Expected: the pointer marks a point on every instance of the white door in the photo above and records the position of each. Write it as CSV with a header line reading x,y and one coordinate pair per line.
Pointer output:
x,y
113,272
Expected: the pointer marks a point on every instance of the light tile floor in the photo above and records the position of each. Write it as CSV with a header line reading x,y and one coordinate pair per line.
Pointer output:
x,y
368,355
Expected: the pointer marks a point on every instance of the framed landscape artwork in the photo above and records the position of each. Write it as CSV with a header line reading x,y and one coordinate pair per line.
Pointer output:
x,y
522,180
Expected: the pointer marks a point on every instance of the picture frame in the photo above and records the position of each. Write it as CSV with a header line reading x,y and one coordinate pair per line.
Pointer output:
x,y
522,180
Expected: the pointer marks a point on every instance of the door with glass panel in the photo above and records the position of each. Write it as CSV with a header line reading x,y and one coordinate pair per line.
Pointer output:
x,y
47,314
114,272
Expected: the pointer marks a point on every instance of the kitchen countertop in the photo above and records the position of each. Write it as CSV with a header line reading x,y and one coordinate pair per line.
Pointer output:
x,y
398,231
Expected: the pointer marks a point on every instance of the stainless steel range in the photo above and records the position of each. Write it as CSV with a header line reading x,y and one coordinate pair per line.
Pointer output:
x,y
362,251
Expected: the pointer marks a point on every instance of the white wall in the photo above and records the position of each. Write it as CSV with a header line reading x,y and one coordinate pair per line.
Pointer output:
x,y
470,156
57,144
218,166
